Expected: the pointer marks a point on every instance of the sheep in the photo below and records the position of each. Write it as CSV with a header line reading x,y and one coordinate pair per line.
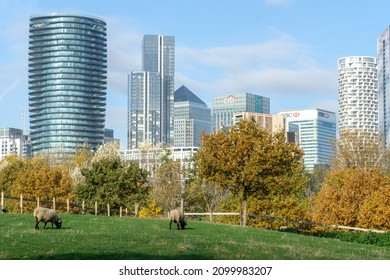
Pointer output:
x,y
46,215
177,217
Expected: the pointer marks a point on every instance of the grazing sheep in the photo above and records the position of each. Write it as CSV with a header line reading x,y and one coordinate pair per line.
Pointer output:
x,y
177,217
4,211
46,215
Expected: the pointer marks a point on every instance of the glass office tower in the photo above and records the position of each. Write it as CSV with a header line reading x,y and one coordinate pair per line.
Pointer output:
x,y
67,82
159,56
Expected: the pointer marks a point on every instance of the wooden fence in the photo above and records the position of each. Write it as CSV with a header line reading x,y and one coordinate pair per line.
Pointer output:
x,y
300,224
107,210
54,203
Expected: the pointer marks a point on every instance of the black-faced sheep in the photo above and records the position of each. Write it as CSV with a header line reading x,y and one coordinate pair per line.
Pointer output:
x,y
46,215
177,217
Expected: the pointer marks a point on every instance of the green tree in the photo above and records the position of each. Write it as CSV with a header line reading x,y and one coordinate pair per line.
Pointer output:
x,y
108,181
246,159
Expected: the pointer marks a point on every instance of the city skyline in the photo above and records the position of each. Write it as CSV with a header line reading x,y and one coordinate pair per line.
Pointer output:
x,y
286,50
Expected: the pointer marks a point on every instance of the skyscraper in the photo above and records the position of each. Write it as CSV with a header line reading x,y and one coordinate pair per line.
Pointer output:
x,y
316,129
225,106
144,108
158,57
67,82
192,117
383,63
358,95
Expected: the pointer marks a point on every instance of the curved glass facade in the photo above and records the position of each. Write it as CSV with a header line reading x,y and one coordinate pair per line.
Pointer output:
x,y
67,82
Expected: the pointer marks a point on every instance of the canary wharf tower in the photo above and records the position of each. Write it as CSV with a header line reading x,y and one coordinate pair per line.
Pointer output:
x,y
67,82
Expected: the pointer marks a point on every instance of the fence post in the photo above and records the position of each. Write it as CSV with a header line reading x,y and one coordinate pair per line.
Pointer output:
x,y
95,207
120,212
21,204
108,210
136,210
126,212
2,200
54,203
83,206
37,201
67,205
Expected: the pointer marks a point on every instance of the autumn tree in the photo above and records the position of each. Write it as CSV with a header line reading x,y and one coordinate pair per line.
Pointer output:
x,y
166,185
246,159
36,178
357,149
108,181
354,197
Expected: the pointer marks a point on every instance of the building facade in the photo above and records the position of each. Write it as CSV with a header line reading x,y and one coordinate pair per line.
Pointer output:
x,y
358,95
192,117
316,129
383,64
144,108
224,107
14,141
67,82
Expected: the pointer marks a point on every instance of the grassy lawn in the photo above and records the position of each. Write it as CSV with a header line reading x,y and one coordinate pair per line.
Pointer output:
x,y
90,237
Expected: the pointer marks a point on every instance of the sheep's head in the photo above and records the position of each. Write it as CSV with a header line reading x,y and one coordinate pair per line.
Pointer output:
x,y
58,223
183,224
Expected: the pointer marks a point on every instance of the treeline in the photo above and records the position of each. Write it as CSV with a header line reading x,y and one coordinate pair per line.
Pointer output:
x,y
243,169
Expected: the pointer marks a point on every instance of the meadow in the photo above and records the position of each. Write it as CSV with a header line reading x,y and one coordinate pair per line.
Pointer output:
x,y
89,237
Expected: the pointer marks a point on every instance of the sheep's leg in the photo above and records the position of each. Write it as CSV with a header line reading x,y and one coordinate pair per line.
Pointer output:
x,y
36,223
170,224
178,226
44,227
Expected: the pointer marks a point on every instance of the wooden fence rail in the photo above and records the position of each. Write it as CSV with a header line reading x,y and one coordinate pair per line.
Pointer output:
x,y
54,203
210,214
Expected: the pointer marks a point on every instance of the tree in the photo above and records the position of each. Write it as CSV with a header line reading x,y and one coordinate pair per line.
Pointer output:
x,y
246,159
108,181
167,185
36,178
356,149
354,197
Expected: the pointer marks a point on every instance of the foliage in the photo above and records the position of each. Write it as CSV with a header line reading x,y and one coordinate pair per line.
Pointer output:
x,y
89,237
109,150
372,238
356,149
35,178
316,179
150,211
354,197
167,185
108,181
246,159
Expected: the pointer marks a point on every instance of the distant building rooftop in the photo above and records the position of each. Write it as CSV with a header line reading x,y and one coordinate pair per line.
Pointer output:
x,y
183,94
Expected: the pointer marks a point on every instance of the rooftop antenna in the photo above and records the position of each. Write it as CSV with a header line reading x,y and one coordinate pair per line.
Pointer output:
x,y
23,122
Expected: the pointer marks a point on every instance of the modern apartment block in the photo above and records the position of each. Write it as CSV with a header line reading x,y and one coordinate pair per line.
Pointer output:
x,y
316,129
192,117
151,93
14,141
383,66
67,82
224,107
358,95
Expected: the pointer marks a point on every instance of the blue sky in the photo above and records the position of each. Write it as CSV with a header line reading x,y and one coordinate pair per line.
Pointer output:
x,y
286,50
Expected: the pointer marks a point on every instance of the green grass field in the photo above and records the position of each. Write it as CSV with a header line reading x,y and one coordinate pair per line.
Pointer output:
x,y
88,237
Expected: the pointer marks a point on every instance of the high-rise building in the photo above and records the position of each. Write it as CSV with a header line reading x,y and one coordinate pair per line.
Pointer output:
x,y
158,57
67,82
225,106
358,95
383,66
316,130
144,119
192,117
14,141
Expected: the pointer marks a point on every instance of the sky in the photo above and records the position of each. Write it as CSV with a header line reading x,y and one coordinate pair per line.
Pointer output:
x,y
286,50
